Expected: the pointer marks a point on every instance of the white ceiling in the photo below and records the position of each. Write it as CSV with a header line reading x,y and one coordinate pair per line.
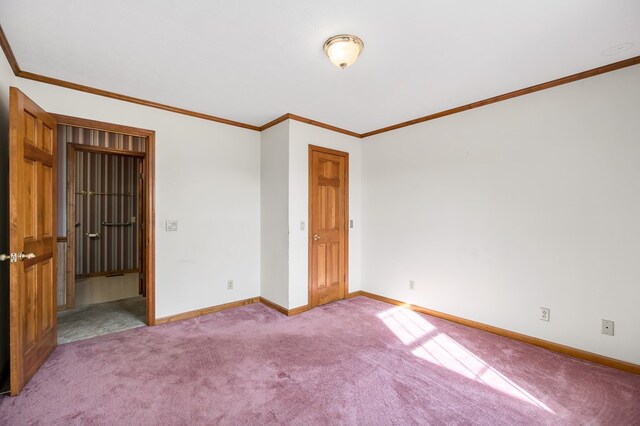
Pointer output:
x,y
252,61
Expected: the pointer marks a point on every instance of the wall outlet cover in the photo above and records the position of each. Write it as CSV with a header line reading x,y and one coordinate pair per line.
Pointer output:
x,y
607,327
171,225
545,314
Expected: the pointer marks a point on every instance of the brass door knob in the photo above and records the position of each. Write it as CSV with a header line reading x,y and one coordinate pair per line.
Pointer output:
x,y
23,256
316,237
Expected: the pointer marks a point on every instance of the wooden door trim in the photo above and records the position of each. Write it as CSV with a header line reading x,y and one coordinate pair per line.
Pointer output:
x,y
70,281
102,126
345,155
148,160
106,151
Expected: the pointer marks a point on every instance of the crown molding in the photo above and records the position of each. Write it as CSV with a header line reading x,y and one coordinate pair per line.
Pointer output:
x,y
536,88
6,48
324,125
274,122
301,119
100,92
126,98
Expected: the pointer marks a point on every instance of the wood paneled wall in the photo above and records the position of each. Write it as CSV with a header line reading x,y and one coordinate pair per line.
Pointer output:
x,y
102,139
91,137
61,274
107,214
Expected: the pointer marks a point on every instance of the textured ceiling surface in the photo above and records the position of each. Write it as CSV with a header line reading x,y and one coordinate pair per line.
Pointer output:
x,y
252,61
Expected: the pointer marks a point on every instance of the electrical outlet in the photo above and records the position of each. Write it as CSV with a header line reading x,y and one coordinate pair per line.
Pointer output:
x,y
607,327
302,225
230,285
412,285
545,314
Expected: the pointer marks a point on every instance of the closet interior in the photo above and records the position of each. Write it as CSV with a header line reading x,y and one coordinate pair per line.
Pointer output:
x,y
100,284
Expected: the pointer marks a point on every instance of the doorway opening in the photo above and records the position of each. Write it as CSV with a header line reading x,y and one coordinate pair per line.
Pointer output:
x,y
103,264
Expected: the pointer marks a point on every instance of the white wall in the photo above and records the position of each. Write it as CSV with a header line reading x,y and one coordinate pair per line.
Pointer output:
x,y
6,80
207,178
301,136
274,214
493,212
503,209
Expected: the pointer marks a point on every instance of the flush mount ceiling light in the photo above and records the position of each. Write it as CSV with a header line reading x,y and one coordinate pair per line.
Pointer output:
x,y
343,49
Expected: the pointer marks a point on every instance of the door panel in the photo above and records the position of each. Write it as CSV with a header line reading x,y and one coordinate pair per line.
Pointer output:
x,y
328,188
45,288
32,215
29,213
321,276
31,290
47,138
46,211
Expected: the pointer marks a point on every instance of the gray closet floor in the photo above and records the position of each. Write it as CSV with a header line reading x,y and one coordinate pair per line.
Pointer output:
x,y
102,318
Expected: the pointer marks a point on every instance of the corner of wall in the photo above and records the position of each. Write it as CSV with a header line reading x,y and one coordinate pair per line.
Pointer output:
x,y
274,214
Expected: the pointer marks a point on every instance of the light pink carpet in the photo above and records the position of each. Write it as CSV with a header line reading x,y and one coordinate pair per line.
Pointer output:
x,y
357,361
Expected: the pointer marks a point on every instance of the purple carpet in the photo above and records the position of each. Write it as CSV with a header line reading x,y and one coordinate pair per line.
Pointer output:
x,y
357,361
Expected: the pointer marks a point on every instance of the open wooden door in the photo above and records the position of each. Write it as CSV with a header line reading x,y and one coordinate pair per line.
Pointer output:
x,y
328,236
32,216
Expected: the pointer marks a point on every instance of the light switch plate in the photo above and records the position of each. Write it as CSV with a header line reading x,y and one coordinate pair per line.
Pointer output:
x,y
351,223
171,225
302,225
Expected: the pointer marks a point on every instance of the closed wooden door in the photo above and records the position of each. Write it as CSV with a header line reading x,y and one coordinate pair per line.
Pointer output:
x,y
32,216
328,213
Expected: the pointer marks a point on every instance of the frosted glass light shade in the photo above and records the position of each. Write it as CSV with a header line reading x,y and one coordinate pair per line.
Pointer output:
x,y
343,50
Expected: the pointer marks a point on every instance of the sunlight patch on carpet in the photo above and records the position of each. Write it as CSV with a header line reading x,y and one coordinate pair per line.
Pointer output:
x,y
406,324
445,352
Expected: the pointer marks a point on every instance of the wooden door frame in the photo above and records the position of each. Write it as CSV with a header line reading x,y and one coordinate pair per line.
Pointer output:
x,y
311,150
148,160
